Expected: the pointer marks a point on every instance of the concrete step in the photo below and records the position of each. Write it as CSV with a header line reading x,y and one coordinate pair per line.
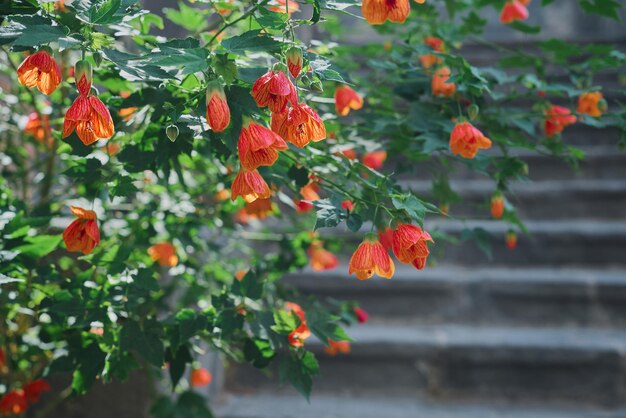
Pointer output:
x,y
550,199
601,162
270,405
583,366
556,243
495,296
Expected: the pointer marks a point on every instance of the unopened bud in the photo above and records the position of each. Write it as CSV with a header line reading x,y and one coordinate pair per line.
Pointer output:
x,y
83,73
172,132
472,111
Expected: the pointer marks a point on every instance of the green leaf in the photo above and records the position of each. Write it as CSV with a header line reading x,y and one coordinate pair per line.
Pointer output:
x,y
258,352
609,8
39,245
146,343
254,40
414,207
299,371
190,323
178,362
103,11
250,286
190,18
37,35
4,279
328,214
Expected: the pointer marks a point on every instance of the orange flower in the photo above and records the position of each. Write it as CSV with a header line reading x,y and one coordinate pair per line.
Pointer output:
x,y
240,274
299,125
112,148
346,99
259,209
466,140
409,245
91,119
350,154
282,7
375,159
258,146
164,253
39,127
294,61
200,378
428,60
497,205
41,70
335,347
592,104
347,205
274,90
512,11
557,118
440,85
13,403
222,195
127,113
361,315
511,240
371,258
321,259
34,389
217,110
377,11
302,332
82,234
386,238
308,192
249,185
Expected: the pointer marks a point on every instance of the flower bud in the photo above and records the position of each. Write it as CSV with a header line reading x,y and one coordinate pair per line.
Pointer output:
x,y
294,61
83,73
316,86
172,132
510,239
97,58
472,111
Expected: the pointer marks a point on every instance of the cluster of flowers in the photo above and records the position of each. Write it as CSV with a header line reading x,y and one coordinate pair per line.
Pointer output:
x,y
16,401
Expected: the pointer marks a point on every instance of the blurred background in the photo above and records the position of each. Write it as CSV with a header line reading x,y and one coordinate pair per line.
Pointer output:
x,y
538,331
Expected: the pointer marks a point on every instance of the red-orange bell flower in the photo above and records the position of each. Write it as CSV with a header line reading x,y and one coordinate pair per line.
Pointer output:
x,y
200,378
259,209
258,146
320,258
82,234
385,237
512,11
217,110
41,70
309,193
440,85
466,140
371,258
497,205
361,315
249,185
592,104
557,119
428,60
376,12
91,119
346,99
281,7
274,90
38,127
409,245
13,403
336,347
163,253
34,389
375,159
302,332
299,125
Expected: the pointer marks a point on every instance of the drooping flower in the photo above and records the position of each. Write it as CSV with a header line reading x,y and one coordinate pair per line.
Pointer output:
x,y
361,315
259,209
309,193
34,389
346,99
299,125
409,245
428,60
82,234
91,119
282,7
371,258
375,159
349,153
320,258
302,332
217,110
510,239
294,61
83,74
163,253
335,347
466,140
13,403
512,11
39,127
258,146
592,104
347,205
41,70
376,12
440,85
385,237
249,185
274,90
497,205
557,119
200,377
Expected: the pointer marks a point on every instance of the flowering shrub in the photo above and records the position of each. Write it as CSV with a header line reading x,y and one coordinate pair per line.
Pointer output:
x,y
155,190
